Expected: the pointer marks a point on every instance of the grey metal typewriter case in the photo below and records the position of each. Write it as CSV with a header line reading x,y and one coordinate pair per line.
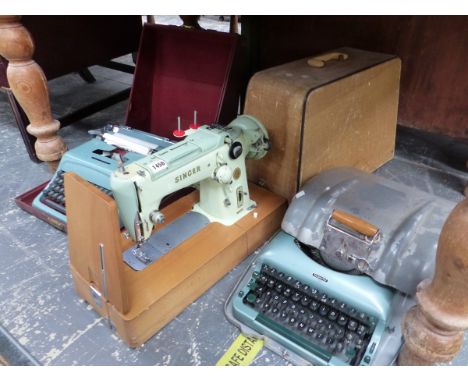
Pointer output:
x,y
399,253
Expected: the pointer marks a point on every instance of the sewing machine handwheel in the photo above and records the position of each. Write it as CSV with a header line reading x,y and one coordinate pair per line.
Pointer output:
x,y
235,151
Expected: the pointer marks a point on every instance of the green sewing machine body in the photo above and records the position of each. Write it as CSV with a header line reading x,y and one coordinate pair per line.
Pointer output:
x,y
212,159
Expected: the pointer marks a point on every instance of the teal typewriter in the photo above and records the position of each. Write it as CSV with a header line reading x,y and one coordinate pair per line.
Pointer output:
x,y
332,286
113,147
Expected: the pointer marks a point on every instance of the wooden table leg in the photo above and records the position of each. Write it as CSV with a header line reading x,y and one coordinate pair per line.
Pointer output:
x,y
29,85
433,329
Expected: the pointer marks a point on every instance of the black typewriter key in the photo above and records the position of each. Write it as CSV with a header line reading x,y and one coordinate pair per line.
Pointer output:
x,y
320,336
296,297
352,312
314,305
275,310
273,271
332,315
312,323
279,287
342,320
310,331
262,279
305,300
271,283
323,310
259,291
362,316
302,312
350,336
301,325
323,297
329,340
287,292
284,314
339,347
306,288
266,306
268,293
280,275
352,325
289,279
339,333
361,330
342,306
313,292
359,343
284,301
333,301
298,285
292,307
292,320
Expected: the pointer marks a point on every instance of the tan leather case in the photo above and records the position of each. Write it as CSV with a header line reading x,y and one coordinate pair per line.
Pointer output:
x,y
331,110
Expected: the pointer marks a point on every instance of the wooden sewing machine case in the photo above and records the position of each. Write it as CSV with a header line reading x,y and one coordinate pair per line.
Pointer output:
x,y
139,303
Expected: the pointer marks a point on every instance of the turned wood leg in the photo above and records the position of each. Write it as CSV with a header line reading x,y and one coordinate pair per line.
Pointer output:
x,y
234,24
433,329
29,85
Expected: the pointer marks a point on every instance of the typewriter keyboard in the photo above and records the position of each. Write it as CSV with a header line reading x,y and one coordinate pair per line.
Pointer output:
x,y
304,315
53,194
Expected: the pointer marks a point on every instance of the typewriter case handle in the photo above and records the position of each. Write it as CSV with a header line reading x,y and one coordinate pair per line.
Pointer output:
x,y
355,223
321,60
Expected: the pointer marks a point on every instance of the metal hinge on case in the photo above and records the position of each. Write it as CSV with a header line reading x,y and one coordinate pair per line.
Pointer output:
x,y
350,239
101,297
96,295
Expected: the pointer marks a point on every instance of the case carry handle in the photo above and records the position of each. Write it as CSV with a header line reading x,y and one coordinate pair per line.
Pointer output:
x,y
355,223
321,60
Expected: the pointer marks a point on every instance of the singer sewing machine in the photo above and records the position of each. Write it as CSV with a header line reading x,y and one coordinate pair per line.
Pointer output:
x,y
144,275
113,146
213,159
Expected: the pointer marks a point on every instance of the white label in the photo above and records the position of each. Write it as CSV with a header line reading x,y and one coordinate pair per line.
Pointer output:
x,y
157,166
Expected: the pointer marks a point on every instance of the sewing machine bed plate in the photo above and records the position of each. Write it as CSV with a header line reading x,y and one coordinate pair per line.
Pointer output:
x,y
165,240
140,303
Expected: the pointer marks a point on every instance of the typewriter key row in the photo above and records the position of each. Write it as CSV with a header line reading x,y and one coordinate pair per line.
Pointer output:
x,y
53,195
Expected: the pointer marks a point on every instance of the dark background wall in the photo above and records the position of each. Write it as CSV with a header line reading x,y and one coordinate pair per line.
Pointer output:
x,y
433,49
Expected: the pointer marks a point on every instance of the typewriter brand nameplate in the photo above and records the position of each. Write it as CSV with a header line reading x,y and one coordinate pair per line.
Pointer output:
x,y
165,240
